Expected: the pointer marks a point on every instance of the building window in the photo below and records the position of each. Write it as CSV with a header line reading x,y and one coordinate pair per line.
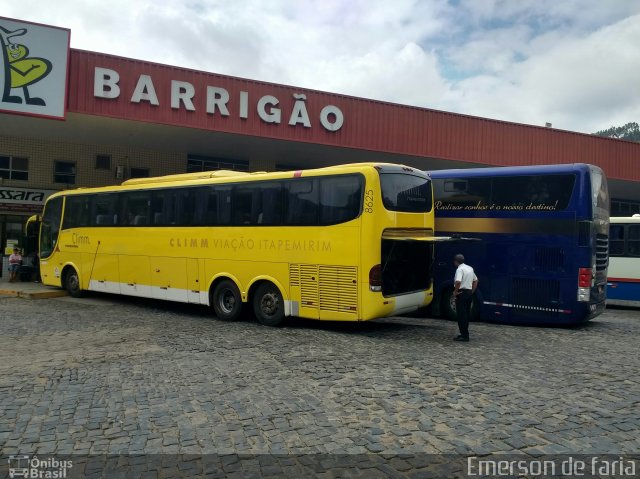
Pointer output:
x,y
624,208
65,172
103,162
203,163
14,168
139,172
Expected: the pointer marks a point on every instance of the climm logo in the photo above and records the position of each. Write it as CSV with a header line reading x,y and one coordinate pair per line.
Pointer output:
x,y
106,85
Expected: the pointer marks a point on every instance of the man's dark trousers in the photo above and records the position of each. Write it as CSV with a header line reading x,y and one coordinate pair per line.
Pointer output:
x,y
463,308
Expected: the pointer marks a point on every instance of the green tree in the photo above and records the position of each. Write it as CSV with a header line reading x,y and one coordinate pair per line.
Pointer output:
x,y
630,131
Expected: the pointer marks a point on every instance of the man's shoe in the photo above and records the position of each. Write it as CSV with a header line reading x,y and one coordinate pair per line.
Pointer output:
x,y
461,338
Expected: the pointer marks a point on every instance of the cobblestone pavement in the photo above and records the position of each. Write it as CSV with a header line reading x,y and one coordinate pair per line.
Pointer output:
x,y
109,375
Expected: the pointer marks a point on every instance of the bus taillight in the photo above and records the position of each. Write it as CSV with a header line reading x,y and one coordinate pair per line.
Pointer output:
x,y
584,284
375,278
584,278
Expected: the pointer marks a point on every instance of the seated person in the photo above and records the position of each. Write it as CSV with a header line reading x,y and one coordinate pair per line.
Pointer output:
x,y
15,260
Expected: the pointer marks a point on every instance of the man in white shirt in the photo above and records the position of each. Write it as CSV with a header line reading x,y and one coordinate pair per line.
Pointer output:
x,y
465,284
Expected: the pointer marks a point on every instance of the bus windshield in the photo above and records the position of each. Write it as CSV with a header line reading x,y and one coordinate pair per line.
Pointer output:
x,y
50,226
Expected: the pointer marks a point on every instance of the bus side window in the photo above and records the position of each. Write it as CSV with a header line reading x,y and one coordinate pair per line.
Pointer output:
x,y
303,202
463,192
178,206
185,206
135,208
103,209
157,207
616,240
170,207
76,211
340,199
243,203
550,190
200,206
633,240
216,210
257,204
271,213
211,210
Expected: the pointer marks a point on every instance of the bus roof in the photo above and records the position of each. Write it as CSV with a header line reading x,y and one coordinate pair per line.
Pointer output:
x,y
200,175
512,170
227,176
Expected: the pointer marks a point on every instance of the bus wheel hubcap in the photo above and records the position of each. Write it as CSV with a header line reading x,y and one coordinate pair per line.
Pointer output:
x,y
227,301
73,281
452,301
269,304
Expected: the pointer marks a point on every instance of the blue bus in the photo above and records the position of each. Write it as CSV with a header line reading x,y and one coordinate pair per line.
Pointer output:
x,y
541,253
623,286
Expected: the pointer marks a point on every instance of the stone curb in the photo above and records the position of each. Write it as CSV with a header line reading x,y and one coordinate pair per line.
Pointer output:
x,y
33,294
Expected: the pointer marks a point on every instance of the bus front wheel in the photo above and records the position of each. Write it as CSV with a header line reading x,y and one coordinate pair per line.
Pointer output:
x,y
226,300
72,283
268,305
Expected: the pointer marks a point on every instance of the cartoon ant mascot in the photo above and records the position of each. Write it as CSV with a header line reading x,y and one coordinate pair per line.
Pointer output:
x,y
19,70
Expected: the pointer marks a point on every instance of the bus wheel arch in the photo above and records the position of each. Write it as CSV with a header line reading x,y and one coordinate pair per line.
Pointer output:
x,y
225,298
70,280
268,302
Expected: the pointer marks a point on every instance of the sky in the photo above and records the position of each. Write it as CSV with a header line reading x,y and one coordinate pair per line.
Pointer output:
x,y
573,63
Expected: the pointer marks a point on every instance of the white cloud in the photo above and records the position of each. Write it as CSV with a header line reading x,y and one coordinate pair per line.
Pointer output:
x,y
492,51
570,62
584,84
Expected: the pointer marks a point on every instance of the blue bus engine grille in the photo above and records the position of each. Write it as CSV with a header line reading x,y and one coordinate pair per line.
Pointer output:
x,y
536,295
549,259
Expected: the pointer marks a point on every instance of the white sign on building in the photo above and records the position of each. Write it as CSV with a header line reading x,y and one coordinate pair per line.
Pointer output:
x,y
22,199
33,68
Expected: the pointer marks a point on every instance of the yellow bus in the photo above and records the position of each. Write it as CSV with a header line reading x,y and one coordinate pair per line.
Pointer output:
x,y
350,242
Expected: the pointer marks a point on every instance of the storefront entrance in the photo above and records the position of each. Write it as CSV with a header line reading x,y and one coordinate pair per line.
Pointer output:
x,y
11,234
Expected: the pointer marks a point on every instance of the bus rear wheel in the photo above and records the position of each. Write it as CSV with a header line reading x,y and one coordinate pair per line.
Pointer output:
x,y
268,305
226,300
72,283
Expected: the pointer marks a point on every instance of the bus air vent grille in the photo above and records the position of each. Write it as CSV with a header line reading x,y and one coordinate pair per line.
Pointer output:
x,y
584,233
339,288
540,293
309,285
602,252
294,274
550,259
